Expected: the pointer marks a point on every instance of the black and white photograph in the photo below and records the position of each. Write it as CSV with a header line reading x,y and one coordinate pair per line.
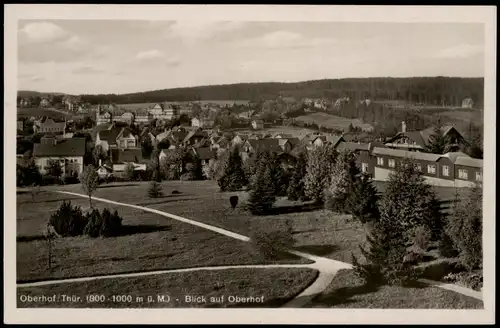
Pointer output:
x,y
214,157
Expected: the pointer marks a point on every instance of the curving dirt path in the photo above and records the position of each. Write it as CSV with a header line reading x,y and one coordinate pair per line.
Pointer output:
x,y
326,267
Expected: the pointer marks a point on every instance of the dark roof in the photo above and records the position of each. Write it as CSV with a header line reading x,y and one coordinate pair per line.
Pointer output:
x,y
353,146
178,136
132,155
270,144
65,147
205,153
110,135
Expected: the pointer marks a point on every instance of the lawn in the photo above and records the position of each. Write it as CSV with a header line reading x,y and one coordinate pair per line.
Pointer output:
x,y
333,121
272,288
151,242
316,230
348,291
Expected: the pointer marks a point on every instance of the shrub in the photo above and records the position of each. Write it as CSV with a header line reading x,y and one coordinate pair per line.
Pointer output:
x,y
111,223
466,279
68,220
271,244
437,269
155,190
420,236
94,224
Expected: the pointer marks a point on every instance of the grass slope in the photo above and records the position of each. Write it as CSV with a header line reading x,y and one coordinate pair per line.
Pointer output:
x,y
276,286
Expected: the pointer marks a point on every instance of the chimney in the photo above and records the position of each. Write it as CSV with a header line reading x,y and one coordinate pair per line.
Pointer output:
x,y
403,126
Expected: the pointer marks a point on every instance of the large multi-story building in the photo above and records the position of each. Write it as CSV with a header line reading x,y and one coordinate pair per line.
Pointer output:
x,y
164,111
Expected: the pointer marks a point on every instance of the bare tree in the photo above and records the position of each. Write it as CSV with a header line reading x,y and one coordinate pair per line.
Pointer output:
x,y
89,181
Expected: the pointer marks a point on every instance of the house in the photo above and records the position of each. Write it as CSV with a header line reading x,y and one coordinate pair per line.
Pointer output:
x,y
454,169
220,144
254,145
164,111
121,157
205,155
105,170
362,152
68,152
126,117
419,140
103,117
239,139
45,102
50,126
467,103
202,122
71,103
116,137
258,124
195,137
143,118
146,132
281,135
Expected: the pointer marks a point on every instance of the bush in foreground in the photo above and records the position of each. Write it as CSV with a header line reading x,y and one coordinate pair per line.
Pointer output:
x,y
68,220
155,190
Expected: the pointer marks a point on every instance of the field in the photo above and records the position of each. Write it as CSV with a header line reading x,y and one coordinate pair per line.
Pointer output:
x,y
273,287
201,102
151,242
158,243
332,121
28,112
348,291
296,132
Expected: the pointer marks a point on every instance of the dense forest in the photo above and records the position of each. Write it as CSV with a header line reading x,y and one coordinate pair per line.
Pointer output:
x,y
440,91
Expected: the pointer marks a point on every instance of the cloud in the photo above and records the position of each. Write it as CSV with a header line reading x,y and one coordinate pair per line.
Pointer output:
x,y
150,54
285,39
87,69
37,78
460,51
43,32
156,57
200,30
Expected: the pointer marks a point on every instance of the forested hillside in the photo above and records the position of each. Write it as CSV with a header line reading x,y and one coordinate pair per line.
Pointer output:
x,y
429,90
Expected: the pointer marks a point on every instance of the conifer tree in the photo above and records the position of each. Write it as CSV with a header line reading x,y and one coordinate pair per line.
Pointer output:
x,y
342,179
362,200
319,167
296,188
233,177
438,143
262,193
155,190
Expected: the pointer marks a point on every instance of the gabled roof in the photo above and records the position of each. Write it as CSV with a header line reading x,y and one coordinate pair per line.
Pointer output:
x,y
110,135
178,136
353,146
205,153
469,161
131,155
454,155
269,144
63,148
125,133
406,154
51,123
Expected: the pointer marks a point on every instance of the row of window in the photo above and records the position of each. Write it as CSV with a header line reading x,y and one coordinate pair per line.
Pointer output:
x,y
431,169
51,129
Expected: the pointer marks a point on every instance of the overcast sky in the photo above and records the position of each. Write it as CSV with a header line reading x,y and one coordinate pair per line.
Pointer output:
x,y
90,56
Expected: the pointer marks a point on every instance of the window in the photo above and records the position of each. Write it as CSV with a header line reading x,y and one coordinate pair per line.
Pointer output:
x,y
364,167
380,161
431,169
446,170
463,174
419,167
392,163
479,176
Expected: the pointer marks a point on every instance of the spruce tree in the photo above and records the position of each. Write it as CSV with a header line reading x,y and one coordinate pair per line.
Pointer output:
x,y
155,190
407,203
263,188
296,188
362,200
342,179
233,178
280,176
319,167
438,143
